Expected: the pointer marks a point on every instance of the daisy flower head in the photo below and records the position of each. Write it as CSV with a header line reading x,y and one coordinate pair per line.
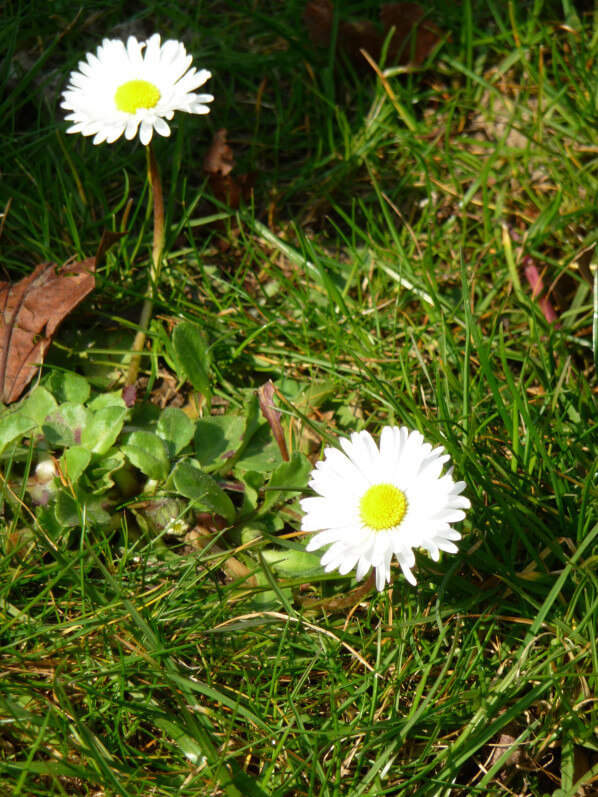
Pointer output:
x,y
133,87
374,503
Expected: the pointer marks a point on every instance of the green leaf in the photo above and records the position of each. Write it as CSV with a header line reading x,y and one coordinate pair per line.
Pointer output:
x,y
199,487
64,426
71,511
262,453
164,513
13,426
240,430
253,481
192,355
101,470
218,437
144,415
46,517
74,462
38,405
148,452
291,563
69,387
103,428
103,400
176,429
286,480
269,598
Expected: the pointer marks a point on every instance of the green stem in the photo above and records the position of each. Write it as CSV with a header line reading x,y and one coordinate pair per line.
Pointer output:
x,y
155,267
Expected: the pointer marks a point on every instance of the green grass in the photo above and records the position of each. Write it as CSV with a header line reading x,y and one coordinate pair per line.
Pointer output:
x,y
376,276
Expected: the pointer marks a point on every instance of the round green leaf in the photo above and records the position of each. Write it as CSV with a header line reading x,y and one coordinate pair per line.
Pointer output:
x,y
74,462
64,426
148,452
13,426
68,386
38,405
199,487
176,429
103,428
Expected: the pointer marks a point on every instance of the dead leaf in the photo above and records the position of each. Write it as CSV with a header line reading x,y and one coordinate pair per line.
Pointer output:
x,y
265,395
536,283
507,741
318,17
584,261
219,158
230,190
218,163
413,39
353,37
518,756
33,308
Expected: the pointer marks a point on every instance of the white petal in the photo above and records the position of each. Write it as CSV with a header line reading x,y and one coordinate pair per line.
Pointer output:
x,y
380,579
115,133
145,132
131,129
348,563
134,50
161,127
152,50
408,574
362,568
449,547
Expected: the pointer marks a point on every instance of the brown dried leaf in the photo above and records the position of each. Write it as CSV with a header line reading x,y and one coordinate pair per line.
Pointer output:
x,y
517,755
584,260
536,283
413,39
353,37
232,190
32,309
218,164
228,189
265,395
318,17
506,741
219,158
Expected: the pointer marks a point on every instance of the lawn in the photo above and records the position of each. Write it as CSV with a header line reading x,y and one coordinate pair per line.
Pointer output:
x,y
405,238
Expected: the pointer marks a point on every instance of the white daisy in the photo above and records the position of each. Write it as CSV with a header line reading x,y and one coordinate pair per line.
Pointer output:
x,y
373,503
126,88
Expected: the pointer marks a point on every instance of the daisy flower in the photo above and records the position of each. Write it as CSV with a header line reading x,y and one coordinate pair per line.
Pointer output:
x,y
374,503
133,87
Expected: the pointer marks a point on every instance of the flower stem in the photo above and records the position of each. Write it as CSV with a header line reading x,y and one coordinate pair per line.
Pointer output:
x,y
157,199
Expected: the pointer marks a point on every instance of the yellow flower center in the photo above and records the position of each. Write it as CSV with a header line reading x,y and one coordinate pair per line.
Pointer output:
x,y
136,94
383,506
